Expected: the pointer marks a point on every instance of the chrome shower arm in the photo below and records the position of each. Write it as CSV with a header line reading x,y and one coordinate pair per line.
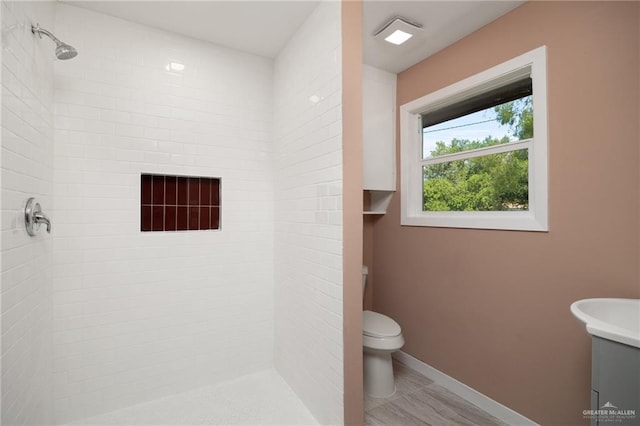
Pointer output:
x,y
39,31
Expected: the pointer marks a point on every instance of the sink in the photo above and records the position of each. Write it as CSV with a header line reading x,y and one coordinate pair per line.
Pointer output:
x,y
613,319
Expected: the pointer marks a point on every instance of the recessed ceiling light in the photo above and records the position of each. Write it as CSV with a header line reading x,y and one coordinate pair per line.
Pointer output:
x,y
398,30
398,37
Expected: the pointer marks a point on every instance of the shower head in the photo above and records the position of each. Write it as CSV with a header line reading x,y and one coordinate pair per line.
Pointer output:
x,y
63,50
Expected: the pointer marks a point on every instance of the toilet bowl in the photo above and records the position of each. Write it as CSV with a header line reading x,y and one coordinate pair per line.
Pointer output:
x,y
381,336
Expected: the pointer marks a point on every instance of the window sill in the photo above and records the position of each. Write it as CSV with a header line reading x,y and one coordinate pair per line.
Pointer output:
x,y
509,221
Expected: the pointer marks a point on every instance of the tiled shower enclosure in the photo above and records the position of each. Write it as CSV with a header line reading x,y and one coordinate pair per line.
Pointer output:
x,y
101,314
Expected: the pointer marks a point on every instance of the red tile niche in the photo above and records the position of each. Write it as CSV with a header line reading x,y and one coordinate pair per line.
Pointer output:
x,y
179,203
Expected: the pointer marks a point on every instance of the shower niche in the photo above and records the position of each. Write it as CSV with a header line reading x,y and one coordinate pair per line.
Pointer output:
x,y
179,203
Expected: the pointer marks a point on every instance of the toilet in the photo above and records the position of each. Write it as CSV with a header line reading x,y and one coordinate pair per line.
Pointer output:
x,y
381,336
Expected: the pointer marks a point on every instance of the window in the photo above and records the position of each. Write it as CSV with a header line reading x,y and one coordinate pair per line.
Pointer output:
x,y
474,154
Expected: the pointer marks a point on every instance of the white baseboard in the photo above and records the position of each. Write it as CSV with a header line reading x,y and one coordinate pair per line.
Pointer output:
x,y
492,407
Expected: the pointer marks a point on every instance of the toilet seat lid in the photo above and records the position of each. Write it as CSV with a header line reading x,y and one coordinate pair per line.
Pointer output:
x,y
378,325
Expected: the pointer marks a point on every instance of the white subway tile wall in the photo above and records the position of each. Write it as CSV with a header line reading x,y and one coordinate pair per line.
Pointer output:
x,y
143,315
136,316
26,160
308,213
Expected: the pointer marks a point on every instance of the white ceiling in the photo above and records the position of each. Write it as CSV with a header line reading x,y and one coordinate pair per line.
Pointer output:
x,y
443,23
263,27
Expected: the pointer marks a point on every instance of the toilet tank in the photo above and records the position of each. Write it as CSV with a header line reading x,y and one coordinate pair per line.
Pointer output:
x,y
365,272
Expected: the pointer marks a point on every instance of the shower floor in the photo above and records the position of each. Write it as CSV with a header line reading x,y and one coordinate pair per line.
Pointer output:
x,y
258,399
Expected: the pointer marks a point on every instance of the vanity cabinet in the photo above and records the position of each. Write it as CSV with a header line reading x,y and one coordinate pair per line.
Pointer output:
x,y
615,383
378,138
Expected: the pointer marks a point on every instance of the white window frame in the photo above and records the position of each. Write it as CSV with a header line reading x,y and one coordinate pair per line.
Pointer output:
x,y
533,64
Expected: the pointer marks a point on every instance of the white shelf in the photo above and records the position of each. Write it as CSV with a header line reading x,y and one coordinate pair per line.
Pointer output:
x,y
376,202
378,144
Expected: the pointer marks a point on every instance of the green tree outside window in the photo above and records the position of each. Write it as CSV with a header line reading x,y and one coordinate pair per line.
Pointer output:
x,y
494,182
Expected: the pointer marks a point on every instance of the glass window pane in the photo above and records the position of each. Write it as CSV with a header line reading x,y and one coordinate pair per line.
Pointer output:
x,y
495,182
504,123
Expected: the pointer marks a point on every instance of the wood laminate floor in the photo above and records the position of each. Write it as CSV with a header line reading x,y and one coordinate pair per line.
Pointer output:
x,y
418,401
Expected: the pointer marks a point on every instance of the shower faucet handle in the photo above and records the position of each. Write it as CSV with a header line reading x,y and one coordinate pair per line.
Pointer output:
x,y
33,217
42,218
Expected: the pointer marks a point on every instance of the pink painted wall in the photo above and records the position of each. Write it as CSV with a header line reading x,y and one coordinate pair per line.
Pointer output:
x,y
367,258
352,209
491,308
